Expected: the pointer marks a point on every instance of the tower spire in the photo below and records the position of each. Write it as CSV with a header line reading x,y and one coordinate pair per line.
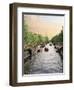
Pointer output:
x,y
62,27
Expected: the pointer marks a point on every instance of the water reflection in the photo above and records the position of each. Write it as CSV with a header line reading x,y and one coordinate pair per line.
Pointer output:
x,y
45,60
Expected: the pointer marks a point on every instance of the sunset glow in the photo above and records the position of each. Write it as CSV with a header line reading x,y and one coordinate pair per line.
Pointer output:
x,y
45,25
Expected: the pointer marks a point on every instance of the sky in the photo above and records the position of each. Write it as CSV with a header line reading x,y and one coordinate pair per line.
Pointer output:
x,y
46,25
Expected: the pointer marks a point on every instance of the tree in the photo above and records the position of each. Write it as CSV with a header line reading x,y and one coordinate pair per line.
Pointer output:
x,y
32,39
58,38
46,39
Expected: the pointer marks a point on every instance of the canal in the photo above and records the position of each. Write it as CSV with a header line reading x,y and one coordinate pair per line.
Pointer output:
x,y
46,61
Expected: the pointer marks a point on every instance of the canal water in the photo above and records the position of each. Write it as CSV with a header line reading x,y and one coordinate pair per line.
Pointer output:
x,y
46,62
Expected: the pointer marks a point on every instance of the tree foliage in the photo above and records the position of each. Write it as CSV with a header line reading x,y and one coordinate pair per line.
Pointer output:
x,y
58,38
33,39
